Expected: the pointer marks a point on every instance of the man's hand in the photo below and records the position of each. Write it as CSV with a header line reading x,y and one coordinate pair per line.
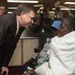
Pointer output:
x,y
5,69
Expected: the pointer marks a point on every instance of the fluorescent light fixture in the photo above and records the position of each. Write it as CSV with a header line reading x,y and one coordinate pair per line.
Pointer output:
x,y
12,7
69,3
51,12
65,8
39,5
9,12
23,1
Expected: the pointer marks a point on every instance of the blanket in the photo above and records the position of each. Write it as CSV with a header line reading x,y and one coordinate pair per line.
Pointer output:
x,y
62,54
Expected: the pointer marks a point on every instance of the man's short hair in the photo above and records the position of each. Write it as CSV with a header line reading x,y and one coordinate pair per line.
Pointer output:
x,y
26,8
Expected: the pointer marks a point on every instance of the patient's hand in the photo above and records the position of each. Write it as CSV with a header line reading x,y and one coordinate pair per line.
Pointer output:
x,y
30,72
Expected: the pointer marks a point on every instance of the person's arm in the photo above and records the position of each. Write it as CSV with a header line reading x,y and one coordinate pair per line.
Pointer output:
x,y
43,54
7,56
12,46
5,62
3,68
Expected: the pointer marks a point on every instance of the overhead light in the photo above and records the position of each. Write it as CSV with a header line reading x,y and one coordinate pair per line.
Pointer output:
x,y
23,1
69,3
65,8
9,12
39,5
51,12
12,7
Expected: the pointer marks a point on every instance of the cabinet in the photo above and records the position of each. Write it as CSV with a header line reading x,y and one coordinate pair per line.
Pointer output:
x,y
28,48
24,50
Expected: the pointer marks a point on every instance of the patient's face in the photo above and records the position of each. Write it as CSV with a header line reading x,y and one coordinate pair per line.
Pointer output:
x,y
64,28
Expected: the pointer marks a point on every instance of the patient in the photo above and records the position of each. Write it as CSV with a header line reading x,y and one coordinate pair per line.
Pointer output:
x,y
62,51
42,56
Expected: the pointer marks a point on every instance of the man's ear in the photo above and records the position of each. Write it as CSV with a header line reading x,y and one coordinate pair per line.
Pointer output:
x,y
21,15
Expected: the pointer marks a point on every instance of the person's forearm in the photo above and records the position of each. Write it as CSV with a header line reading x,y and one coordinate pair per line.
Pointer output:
x,y
8,56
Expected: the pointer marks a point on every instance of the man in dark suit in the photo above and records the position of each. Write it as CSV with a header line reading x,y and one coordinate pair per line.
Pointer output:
x,y
22,18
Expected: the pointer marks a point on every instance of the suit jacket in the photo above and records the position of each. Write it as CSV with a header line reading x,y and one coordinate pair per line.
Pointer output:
x,y
8,26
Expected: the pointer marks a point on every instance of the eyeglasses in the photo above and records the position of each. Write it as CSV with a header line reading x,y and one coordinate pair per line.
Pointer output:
x,y
32,18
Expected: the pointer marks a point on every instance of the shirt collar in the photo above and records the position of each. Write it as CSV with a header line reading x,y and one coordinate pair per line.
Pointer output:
x,y
17,24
